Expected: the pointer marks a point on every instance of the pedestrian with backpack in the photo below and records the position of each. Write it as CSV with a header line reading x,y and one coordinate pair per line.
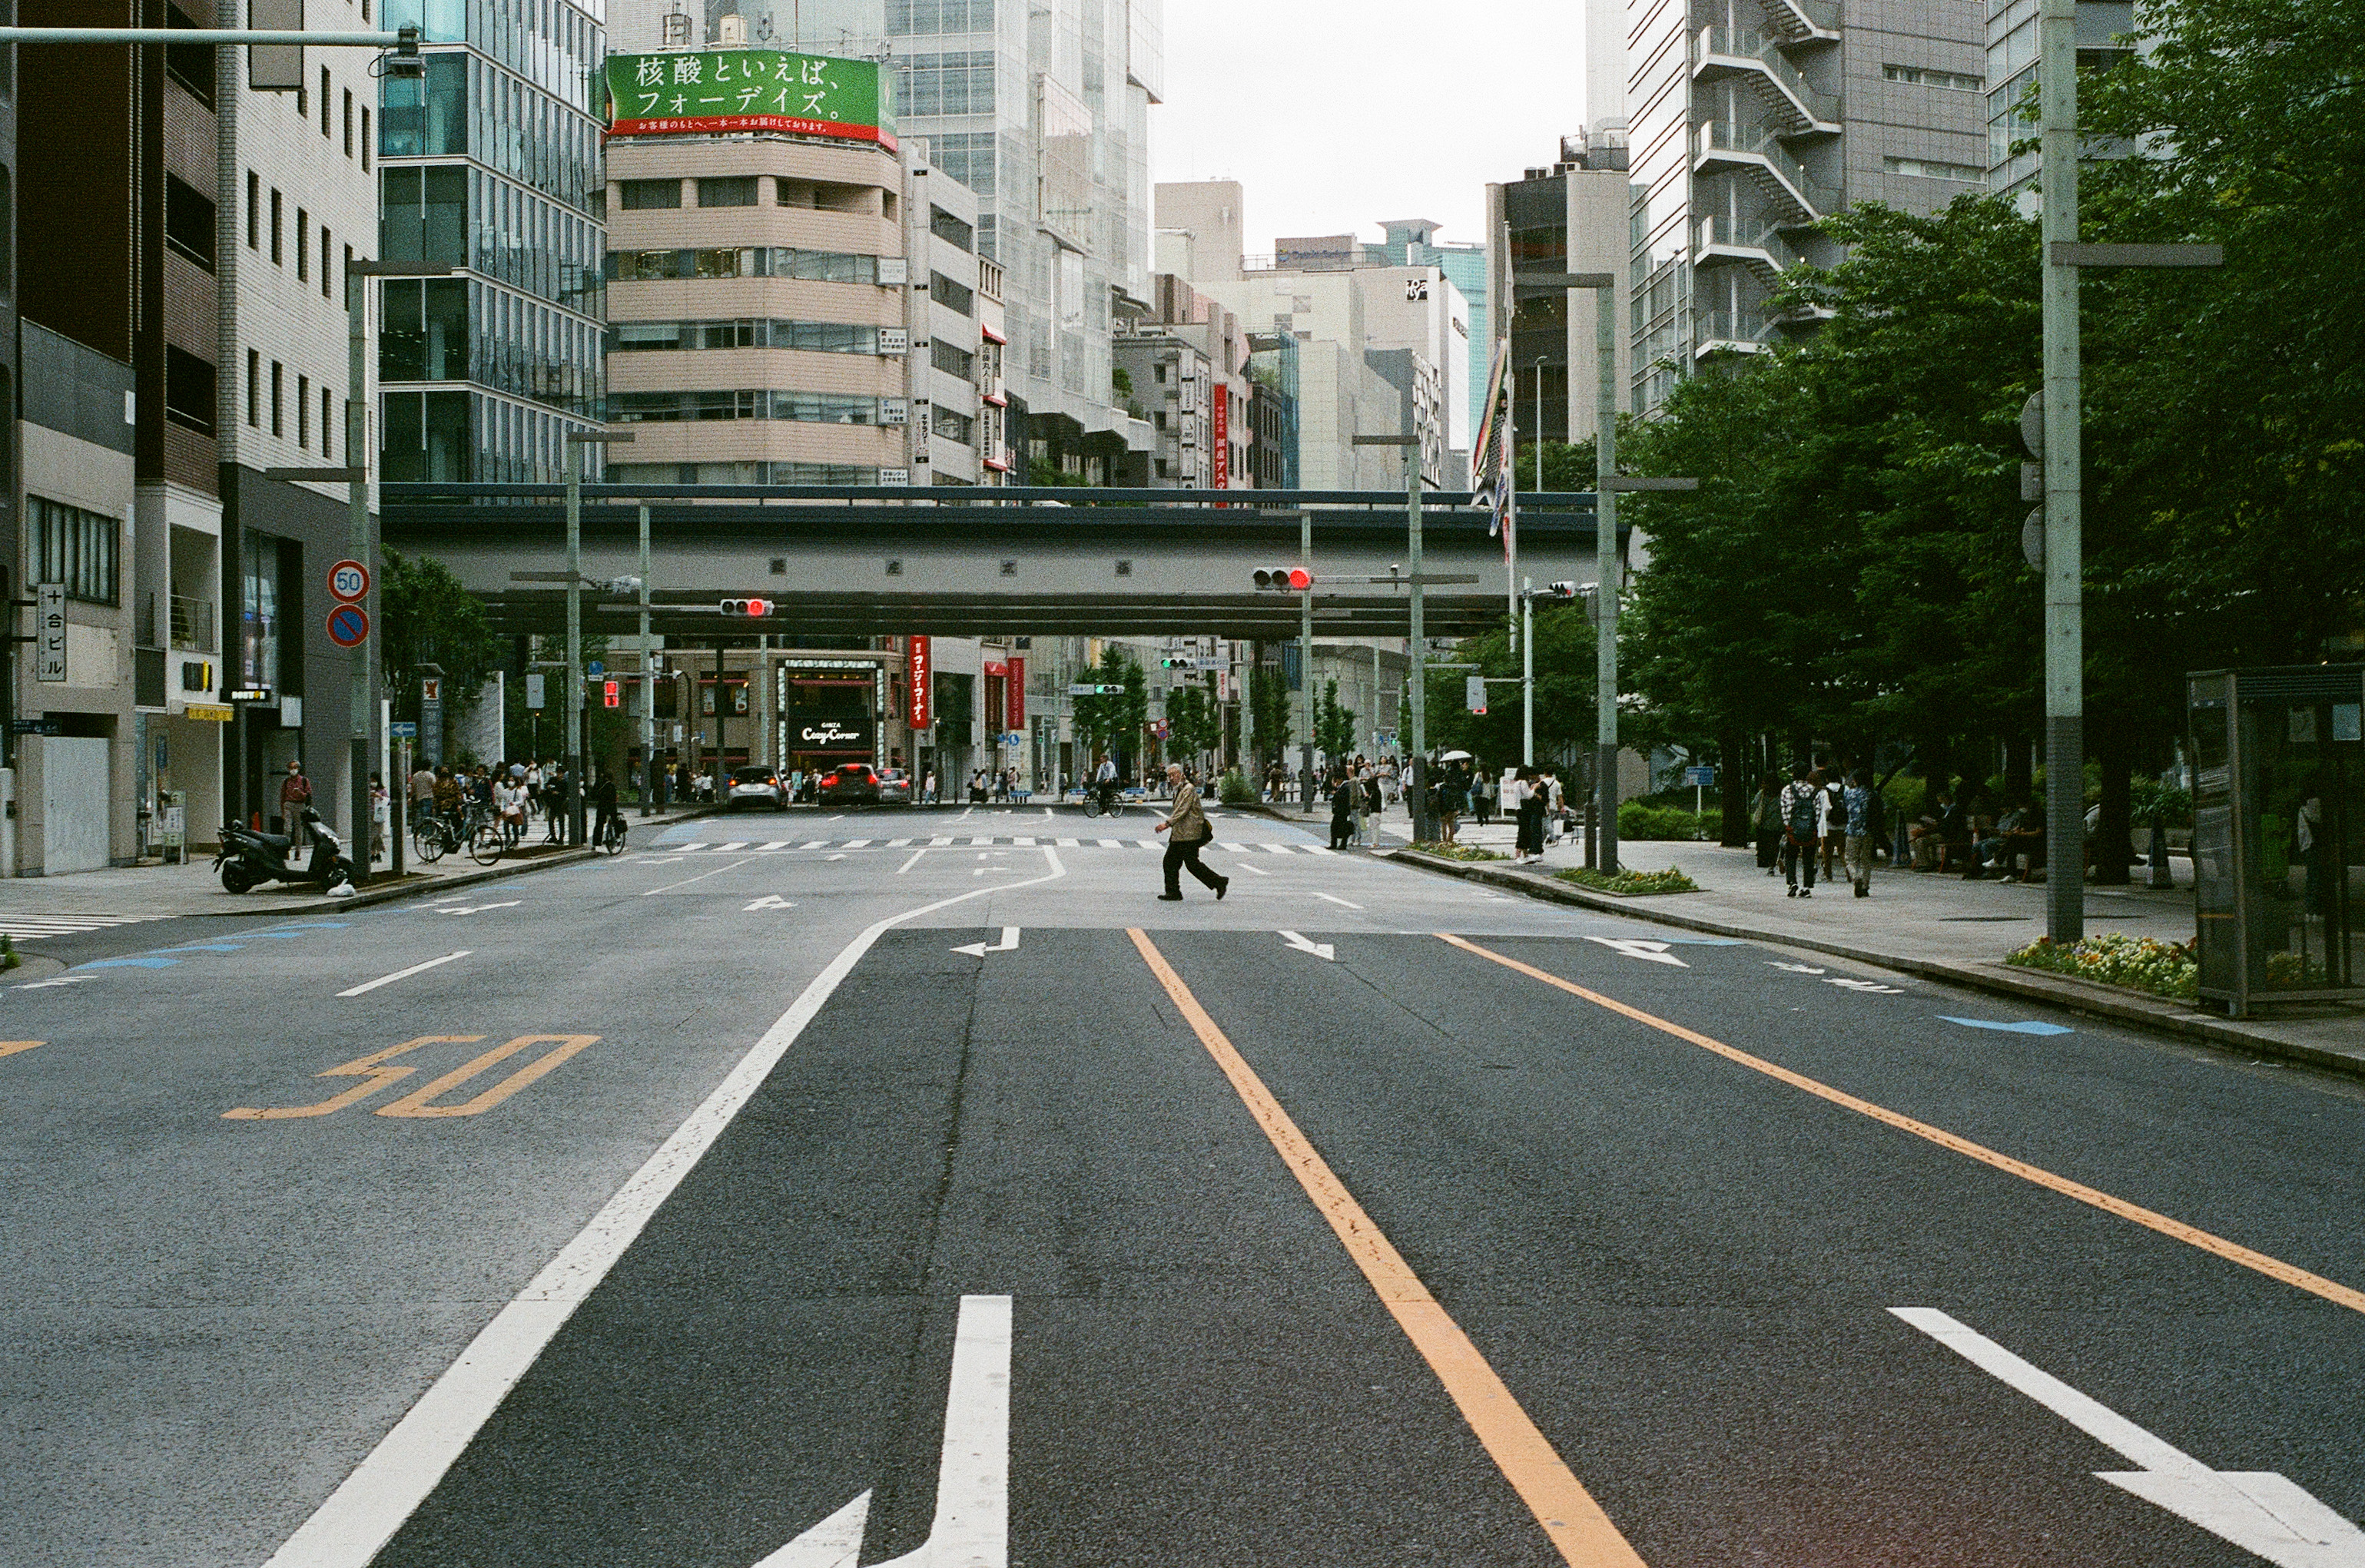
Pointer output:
x,y
1801,812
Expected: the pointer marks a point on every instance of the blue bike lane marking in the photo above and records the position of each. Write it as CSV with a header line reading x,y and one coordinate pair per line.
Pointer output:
x,y
162,958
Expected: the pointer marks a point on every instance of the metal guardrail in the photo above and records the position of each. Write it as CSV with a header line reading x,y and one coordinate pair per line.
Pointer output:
x,y
1765,52
1752,234
1759,142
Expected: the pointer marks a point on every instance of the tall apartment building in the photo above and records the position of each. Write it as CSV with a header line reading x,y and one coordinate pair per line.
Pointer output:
x,y
490,165
1570,218
1044,112
1750,119
185,332
2011,55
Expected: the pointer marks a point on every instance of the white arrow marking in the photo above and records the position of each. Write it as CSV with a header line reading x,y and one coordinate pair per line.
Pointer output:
x,y
2259,1511
972,1524
1636,947
1874,986
836,1542
1009,944
1319,949
769,901
1797,968
61,980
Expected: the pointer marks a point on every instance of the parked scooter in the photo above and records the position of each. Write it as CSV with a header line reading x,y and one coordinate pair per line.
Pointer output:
x,y
248,859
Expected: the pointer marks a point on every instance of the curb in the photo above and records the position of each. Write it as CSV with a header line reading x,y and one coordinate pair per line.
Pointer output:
x,y
443,884
2077,996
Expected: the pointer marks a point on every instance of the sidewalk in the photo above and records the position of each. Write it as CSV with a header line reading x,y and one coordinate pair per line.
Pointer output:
x,y
1930,924
33,907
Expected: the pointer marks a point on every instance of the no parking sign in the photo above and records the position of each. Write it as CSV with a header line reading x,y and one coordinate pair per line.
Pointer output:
x,y
349,625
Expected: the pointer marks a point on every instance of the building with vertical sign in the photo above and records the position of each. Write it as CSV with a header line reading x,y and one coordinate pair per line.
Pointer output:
x,y
1186,363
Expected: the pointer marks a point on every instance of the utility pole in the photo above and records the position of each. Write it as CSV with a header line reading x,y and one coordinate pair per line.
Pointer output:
x,y
1305,664
648,683
576,441
1416,766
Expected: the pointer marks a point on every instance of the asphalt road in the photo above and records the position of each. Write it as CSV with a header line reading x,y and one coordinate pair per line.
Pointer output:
x,y
644,1230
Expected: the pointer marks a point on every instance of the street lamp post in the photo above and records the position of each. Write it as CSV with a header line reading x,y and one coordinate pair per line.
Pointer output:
x,y
576,441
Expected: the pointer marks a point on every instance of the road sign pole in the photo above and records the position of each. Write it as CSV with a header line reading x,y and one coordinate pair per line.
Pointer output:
x,y
357,547
1527,675
1605,574
648,683
1306,661
2065,631
574,642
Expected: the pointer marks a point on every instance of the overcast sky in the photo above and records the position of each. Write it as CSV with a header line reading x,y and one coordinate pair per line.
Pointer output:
x,y
1335,113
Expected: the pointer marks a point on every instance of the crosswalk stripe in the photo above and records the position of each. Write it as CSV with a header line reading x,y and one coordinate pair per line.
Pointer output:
x,y
818,844
1112,843
979,843
727,848
1146,843
855,843
1275,849
775,843
897,842
938,843
1022,844
1067,844
686,848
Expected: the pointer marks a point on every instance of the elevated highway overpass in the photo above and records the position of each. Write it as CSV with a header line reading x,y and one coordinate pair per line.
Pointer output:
x,y
848,564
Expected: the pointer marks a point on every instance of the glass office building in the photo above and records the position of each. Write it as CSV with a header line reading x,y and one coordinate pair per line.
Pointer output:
x,y
490,165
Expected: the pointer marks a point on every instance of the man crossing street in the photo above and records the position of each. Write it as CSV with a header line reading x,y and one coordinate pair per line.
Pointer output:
x,y
1192,832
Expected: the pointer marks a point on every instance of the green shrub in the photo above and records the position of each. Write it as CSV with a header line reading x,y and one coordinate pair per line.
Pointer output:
x,y
2112,958
1667,881
1637,822
1460,852
1235,790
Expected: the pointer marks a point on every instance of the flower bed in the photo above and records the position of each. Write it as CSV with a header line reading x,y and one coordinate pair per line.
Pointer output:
x,y
2138,963
1459,852
1630,882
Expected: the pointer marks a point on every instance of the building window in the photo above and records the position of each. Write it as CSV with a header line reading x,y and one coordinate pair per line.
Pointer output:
x,y
278,397
328,264
1930,169
254,388
760,261
951,360
79,550
907,16
190,64
324,100
328,408
951,229
738,190
365,126
275,228
952,295
348,275
190,385
647,195
953,427
253,210
189,221
1952,81
303,255
304,411
956,83
349,122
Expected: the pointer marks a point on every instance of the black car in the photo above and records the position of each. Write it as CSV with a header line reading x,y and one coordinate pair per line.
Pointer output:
x,y
849,784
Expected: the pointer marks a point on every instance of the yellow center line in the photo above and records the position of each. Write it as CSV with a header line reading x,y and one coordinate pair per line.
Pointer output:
x,y
1570,1516
10,1047
2192,1236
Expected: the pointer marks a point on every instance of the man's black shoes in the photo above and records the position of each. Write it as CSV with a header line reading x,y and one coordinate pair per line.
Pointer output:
x,y
1222,888
1169,898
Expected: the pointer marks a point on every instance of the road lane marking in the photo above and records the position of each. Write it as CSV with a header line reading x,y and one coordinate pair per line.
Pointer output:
x,y
651,892
972,1522
2026,1026
1009,944
402,974
2259,1511
1334,897
913,861
1571,1518
10,1047
1637,947
2176,1229
372,1502
415,1103
1322,951
374,1076
1246,865
477,908
769,901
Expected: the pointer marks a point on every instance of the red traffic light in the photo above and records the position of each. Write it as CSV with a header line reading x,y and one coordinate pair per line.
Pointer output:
x,y
615,693
1284,580
757,607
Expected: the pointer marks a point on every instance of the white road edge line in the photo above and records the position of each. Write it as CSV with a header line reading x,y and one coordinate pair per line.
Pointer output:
x,y
2260,1511
362,1514
403,974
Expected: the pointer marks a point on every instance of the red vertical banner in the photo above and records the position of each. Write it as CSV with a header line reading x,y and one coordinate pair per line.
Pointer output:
x,y
1223,401
920,671
1015,701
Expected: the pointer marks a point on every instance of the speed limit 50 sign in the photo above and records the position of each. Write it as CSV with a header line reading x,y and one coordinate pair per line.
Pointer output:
x,y
349,581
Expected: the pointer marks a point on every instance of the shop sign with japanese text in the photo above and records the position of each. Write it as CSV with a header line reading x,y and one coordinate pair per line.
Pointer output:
x,y
723,90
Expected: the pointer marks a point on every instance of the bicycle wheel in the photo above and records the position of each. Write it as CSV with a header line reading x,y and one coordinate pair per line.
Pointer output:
x,y
613,841
485,844
427,840
1091,805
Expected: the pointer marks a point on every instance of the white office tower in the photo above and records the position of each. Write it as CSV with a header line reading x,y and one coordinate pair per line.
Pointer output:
x,y
1751,119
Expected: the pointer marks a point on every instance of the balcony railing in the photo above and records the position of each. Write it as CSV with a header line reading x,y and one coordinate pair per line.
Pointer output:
x,y
1758,142
1750,234
193,625
1734,329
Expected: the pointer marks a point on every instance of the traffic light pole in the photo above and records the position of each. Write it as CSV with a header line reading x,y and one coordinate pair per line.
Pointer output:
x,y
648,683
573,640
1527,675
1305,664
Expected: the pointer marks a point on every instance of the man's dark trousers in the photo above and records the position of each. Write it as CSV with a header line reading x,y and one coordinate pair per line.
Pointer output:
x,y
1793,851
1180,854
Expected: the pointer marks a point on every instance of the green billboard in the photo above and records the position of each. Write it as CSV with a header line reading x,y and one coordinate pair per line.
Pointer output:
x,y
721,90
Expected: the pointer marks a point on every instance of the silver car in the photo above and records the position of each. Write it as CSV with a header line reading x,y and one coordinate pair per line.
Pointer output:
x,y
894,787
755,786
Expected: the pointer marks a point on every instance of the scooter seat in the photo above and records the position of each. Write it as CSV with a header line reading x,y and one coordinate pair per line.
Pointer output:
x,y
275,840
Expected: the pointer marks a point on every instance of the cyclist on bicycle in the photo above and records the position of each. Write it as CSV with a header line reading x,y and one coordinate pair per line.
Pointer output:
x,y
1104,783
